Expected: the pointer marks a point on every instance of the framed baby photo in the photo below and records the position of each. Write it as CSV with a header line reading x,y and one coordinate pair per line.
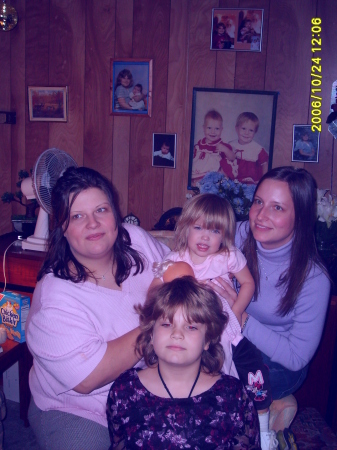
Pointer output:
x,y
48,104
131,87
164,148
237,29
305,144
232,133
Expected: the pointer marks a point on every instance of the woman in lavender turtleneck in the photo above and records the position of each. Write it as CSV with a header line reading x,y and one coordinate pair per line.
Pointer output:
x,y
285,320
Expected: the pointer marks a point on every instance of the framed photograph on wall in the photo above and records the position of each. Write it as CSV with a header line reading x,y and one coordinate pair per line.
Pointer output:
x,y
48,104
237,29
232,132
131,87
164,149
305,144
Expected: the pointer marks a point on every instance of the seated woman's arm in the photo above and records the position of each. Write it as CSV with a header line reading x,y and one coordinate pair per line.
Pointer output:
x,y
119,356
295,347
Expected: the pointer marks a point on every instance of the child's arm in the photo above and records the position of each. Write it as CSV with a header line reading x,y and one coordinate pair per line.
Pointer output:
x,y
247,288
227,150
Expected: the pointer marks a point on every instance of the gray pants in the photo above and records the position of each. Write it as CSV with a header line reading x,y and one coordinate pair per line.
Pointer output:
x,y
56,430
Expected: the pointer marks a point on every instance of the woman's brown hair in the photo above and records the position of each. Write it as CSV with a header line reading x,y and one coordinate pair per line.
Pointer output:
x,y
304,254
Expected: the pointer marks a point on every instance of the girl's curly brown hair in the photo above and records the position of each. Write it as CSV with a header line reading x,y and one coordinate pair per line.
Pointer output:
x,y
200,305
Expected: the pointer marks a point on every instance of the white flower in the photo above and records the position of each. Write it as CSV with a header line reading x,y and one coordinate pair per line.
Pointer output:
x,y
326,206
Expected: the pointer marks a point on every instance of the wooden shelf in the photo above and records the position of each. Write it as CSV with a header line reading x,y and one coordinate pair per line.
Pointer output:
x,y
22,266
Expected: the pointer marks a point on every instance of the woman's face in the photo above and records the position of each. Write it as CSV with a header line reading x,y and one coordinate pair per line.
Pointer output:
x,y
125,81
272,215
92,230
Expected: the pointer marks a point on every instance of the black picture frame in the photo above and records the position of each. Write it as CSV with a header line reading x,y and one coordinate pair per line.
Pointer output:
x,y
231,104
164,150
305,144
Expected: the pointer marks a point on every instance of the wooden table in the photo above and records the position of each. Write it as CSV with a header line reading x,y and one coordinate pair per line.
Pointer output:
x,y
21,267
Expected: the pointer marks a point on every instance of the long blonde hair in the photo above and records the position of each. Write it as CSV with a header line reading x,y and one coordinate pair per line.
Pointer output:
x,y
217,214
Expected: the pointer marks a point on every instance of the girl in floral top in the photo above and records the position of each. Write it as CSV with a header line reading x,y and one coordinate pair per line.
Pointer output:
x,y
181,400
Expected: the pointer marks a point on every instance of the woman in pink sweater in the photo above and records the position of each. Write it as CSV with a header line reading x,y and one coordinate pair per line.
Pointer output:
x,y
82,328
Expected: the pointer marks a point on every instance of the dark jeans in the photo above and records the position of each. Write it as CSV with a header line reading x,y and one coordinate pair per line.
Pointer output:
x,y
253,373
283,381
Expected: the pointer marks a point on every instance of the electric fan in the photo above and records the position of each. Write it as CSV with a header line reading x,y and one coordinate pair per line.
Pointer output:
x,y
49,166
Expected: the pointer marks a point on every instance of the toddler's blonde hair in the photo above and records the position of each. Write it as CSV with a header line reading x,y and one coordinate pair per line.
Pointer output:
x,y
217,214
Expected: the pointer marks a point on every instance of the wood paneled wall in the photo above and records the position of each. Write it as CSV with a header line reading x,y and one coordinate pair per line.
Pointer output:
x,y
70,43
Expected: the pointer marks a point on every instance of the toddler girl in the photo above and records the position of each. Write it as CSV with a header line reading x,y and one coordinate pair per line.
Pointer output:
x,y
181,400
204,239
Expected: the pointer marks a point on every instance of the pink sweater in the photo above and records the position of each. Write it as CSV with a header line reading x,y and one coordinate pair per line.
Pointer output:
x,y
68,328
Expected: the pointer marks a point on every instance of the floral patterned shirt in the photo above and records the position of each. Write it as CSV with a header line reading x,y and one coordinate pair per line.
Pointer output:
x,y
221,418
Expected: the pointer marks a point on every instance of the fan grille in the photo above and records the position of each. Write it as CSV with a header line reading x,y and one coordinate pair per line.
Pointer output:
x,y
49,166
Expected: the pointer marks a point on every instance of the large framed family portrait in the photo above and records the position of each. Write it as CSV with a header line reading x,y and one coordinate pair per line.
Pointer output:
x,y
131,87
232,133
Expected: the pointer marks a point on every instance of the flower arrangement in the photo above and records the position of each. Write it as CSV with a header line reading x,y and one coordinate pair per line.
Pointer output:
x,y
239,195
326,225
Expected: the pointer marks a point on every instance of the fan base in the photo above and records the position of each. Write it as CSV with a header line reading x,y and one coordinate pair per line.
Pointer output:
x,y
33,243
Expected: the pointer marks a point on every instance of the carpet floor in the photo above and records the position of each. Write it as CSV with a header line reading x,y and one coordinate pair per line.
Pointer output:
x,y
16,435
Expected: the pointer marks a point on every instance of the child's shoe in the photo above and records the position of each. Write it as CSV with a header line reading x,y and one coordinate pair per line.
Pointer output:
x,y
286,440
268,440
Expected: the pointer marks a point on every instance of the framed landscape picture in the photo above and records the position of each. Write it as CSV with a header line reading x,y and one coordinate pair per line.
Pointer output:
x,y
131,87
48,104
232,132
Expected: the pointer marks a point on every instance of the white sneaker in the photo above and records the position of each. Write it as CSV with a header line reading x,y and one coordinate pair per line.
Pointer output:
x,y
268,440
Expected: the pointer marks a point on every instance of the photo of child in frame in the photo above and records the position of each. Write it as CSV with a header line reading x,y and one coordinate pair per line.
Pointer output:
x,y
305,144
164,150
232,134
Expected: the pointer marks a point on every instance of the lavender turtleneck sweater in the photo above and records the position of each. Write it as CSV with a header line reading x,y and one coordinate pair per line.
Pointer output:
x,y
293,339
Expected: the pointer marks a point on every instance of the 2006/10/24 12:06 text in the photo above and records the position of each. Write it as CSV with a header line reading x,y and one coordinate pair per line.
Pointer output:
x,y
316,75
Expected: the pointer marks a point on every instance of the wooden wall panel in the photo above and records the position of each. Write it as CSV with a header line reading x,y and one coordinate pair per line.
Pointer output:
x,y
100,39
18,96
201,60
323,171
175,180
58,42
288,69
121,125
66,68
225,61
5,133
146,182
37,74
251,66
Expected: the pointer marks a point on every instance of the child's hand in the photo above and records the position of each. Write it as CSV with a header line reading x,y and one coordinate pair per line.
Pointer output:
x,y
225,290
221,148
